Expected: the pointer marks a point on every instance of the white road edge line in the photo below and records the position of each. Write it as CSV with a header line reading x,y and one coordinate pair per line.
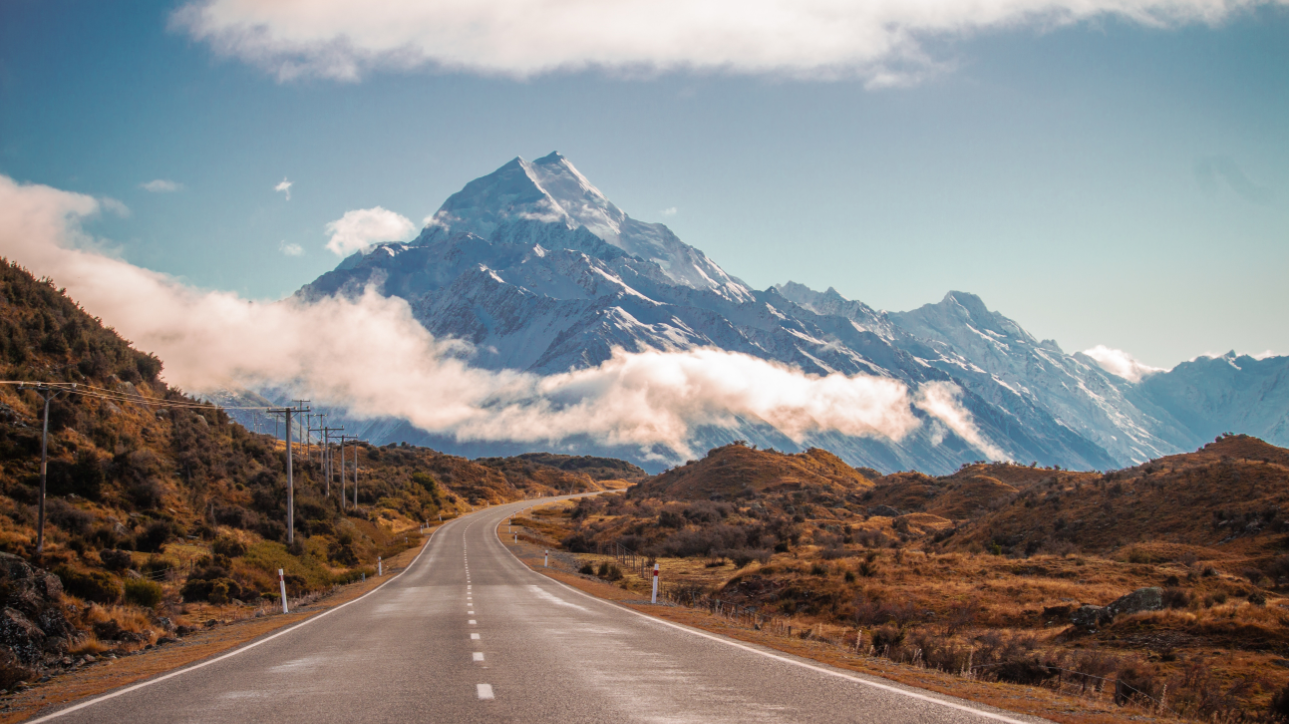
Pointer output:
x,y
242,649
768,655
485,692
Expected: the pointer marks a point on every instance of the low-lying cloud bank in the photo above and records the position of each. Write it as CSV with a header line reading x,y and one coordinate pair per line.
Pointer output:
x,y
371,356
881,42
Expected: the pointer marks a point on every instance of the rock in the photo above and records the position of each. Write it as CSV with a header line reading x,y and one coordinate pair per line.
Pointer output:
x,y
165,640
32,621
184,630
1142,599
21,636
89,659
1090,617
65,661
884,511
166,623
211,623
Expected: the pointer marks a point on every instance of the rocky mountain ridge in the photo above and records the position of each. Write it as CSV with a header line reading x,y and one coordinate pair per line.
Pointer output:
x,y
539,272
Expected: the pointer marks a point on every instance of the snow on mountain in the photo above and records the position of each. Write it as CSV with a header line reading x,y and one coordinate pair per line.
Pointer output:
x,y
538,271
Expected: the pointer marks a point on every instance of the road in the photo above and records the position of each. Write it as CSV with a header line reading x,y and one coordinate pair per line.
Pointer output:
x,y
467,633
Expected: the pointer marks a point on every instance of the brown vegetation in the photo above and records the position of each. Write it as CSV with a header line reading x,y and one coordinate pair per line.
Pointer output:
x,y
981,571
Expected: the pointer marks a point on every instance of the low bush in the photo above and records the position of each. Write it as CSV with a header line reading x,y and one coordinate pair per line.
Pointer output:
x,y
227,546
115,560
96,586
143,592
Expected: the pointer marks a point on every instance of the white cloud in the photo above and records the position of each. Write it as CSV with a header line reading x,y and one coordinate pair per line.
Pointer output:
x,y
377,360
669,211
284,187
360,228
940,400
161,186
881,42
291,249
1120,363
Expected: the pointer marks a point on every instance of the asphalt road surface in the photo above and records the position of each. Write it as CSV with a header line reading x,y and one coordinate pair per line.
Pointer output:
x,y
467,633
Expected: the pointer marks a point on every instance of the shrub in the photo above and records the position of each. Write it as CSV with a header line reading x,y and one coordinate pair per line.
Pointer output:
x,y
1176,598
143,592
95,586
609,572
115,560
230,547
154,536
1135,684
587,569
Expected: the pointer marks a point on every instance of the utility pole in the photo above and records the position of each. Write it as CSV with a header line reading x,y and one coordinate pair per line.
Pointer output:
x,y
302,406
355,474
342,471
48,393
321,429
329,458
290,478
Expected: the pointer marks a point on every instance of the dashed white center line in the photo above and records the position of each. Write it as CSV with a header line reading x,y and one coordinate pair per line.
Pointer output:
x,y
473,622
478,656
485,692
470,612
474,637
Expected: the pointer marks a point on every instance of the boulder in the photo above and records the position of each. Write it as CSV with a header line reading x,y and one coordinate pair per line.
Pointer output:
x,y
32,621
22,637
1090,617
1142,599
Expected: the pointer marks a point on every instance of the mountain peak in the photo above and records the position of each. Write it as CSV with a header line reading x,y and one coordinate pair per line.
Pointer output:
x,y
551,193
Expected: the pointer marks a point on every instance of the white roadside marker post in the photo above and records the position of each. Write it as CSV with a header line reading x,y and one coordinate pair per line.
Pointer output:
x,y
654,599
546,559
516,539
281,582
380,567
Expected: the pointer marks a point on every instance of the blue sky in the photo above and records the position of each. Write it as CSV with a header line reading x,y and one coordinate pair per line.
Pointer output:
x,y
1102,181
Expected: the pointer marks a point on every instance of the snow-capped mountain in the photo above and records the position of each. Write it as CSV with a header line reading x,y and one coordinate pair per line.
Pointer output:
x,y
540,272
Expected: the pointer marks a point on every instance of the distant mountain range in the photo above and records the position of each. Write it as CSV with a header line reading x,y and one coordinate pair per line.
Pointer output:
x,y
540,272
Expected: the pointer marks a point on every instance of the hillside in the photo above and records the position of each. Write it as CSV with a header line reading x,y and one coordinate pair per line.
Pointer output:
x,y
734,472
162,511
996,559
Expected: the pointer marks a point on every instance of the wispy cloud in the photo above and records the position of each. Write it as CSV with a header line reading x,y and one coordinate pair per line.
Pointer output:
x,y
881,42
669,211
360,228
1120,363
377,360
284,187
161,186
290,249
